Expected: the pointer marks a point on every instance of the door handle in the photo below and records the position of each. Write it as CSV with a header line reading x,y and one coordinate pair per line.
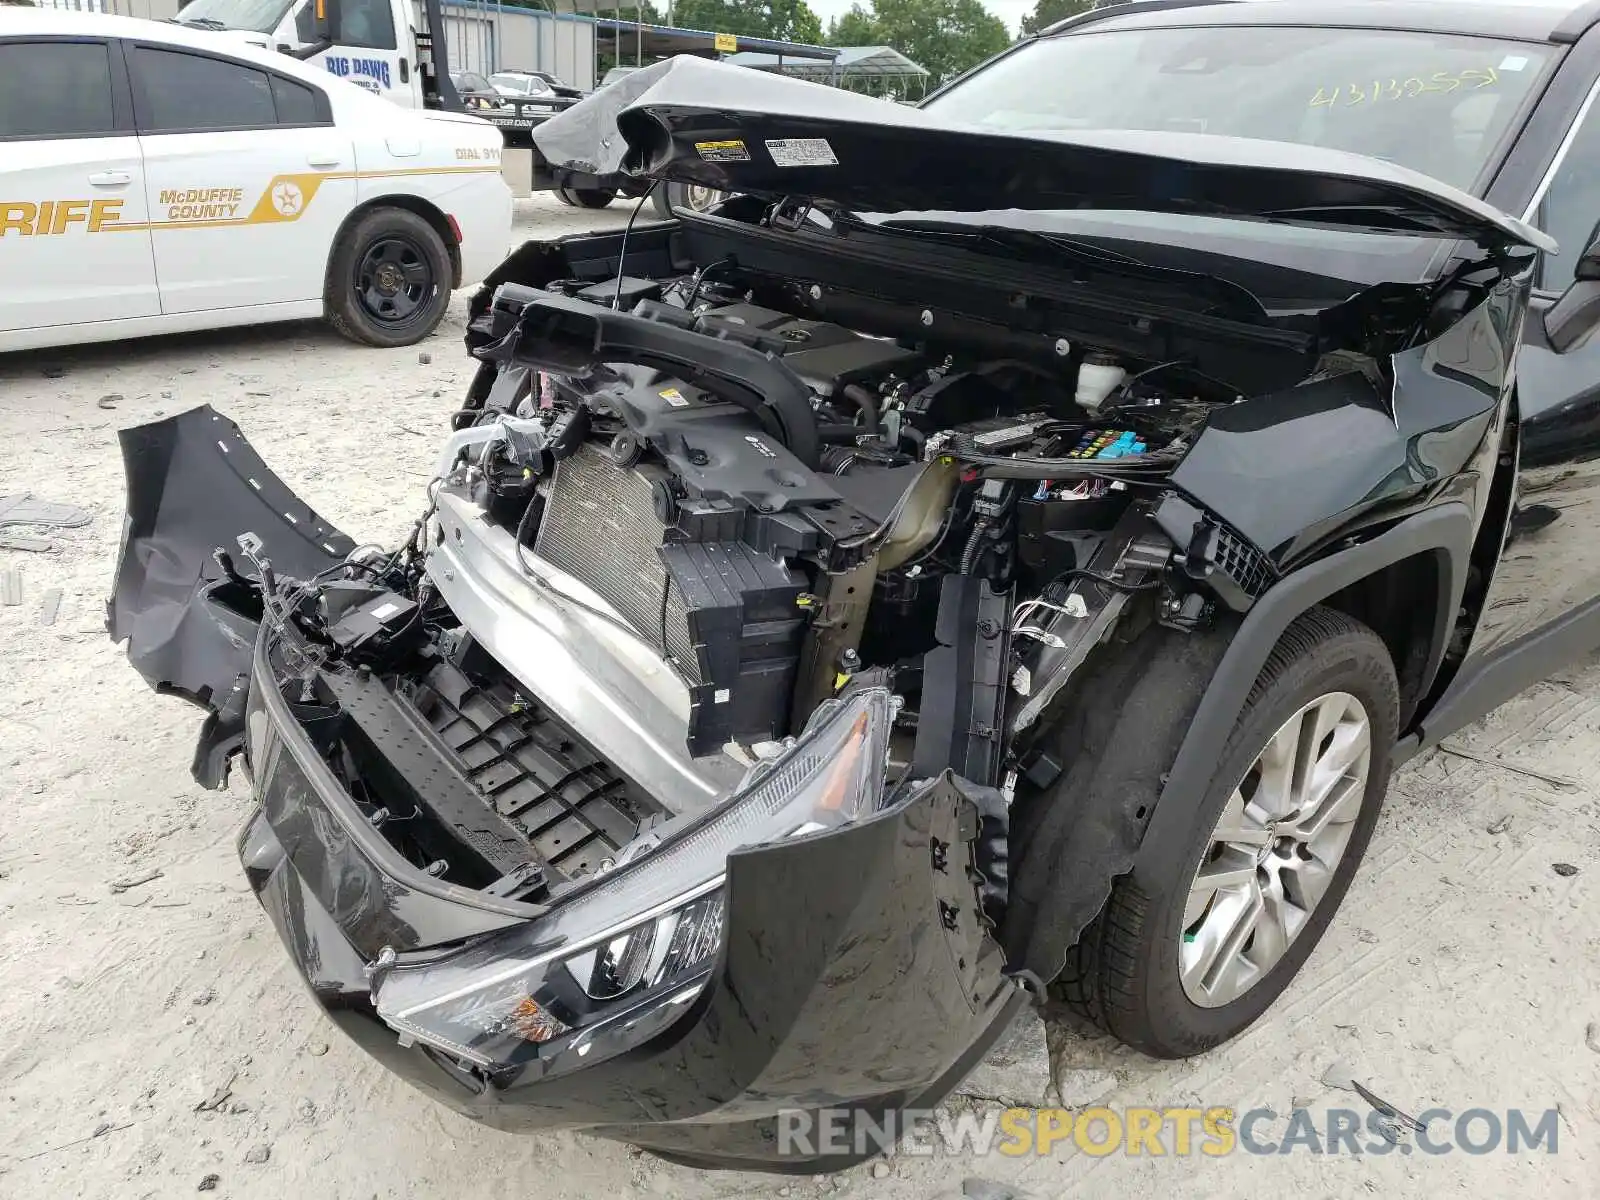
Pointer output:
x,y
111,179
323,161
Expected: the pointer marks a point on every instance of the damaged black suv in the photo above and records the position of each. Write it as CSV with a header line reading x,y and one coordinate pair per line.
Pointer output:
x,y
1002,549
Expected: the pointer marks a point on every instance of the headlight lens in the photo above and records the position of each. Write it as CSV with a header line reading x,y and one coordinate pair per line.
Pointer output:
x,y
621,956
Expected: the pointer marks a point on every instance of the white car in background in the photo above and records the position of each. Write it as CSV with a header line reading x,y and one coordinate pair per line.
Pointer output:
x,y
521,83
156,179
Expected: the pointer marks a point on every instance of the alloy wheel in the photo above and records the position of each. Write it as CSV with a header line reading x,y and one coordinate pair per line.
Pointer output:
x,y
1275,849
700,198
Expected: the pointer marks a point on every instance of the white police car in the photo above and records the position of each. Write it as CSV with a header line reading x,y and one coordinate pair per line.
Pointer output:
x,y
155,179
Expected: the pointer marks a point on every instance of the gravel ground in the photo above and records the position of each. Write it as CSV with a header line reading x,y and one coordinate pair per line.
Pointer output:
x,y
157,1040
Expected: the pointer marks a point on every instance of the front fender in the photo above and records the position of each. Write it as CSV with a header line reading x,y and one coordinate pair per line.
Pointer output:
x,y
1445,531
1296,470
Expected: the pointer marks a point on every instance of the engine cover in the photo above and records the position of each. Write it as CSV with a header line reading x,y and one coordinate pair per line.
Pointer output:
x,y
825,355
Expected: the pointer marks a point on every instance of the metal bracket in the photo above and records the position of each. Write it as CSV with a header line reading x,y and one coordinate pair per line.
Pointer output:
x,y
789,214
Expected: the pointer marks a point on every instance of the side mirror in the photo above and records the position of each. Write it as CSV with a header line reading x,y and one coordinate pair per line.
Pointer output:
x,y
317,26
324,20
1571,319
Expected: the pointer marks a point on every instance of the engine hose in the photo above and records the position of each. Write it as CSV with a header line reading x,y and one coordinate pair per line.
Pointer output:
x,y
969,556
836,433
866,402
837,460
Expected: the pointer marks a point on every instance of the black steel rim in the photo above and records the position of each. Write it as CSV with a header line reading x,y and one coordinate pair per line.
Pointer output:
x,y
394,280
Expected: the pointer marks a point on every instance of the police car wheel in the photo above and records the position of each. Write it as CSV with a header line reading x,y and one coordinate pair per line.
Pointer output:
x,y
389,279
565,196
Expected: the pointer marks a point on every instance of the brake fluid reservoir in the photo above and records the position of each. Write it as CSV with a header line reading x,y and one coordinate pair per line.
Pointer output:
x,y
1098,376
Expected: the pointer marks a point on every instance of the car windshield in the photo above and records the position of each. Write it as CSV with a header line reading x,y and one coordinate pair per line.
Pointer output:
x,y
1436,103
258,16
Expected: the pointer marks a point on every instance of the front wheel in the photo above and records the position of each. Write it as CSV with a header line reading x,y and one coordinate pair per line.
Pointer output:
x,y
692,196
389,279
1216,918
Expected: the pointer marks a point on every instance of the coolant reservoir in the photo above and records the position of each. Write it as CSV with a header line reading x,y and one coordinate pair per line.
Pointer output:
x,y
1098,376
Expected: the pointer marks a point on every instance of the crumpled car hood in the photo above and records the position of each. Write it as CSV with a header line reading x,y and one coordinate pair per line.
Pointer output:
x,y
709,123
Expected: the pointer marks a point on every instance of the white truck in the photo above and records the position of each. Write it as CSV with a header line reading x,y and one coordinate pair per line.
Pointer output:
x,y
396,49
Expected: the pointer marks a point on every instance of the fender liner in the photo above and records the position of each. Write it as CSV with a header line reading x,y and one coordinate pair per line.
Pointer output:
x,y
1088,854
1446,530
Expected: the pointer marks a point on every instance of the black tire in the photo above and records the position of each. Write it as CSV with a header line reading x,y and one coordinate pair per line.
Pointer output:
x,y
562,195
669,196
589,197
389,279
1123,973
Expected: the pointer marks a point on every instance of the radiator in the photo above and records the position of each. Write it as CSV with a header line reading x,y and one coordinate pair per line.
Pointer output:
x,y
726,616
600,527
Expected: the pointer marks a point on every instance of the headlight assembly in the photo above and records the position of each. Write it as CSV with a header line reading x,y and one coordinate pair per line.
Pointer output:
x,y
619,958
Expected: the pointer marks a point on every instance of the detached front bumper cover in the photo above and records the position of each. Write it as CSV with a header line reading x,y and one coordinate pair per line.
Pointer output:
x,y
844,964
194,485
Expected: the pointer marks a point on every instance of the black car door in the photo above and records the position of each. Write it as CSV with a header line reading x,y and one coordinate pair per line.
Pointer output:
x,y
1550,567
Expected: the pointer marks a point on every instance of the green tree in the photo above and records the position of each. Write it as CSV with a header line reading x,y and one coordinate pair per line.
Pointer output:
x,y
858,27
1047,12
798,21
785,20
944,37
717,16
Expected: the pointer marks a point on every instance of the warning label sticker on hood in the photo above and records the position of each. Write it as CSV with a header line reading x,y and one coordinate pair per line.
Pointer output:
x,y
727,151
801,152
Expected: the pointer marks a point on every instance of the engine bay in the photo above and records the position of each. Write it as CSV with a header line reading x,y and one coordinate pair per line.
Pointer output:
x,y
680,514
776,501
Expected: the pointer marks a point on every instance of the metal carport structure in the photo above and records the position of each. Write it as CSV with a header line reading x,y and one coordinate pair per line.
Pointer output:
x,y
877,70
631,43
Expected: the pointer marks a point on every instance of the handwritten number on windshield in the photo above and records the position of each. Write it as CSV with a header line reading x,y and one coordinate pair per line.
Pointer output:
x,y
1352,94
